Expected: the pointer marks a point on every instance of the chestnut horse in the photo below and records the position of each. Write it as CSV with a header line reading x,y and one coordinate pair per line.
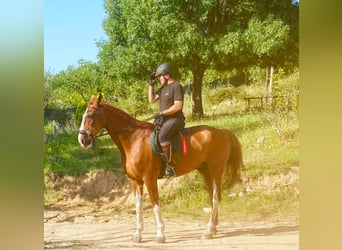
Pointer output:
x,y
210,150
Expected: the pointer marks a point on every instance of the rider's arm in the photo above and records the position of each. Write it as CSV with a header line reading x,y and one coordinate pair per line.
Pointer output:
x,y
152,96
177,106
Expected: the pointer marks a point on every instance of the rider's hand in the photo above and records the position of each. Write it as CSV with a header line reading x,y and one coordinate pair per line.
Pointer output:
x,y
157,115
152,79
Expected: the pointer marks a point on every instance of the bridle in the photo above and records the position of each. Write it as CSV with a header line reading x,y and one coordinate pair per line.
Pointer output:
x,y
92,117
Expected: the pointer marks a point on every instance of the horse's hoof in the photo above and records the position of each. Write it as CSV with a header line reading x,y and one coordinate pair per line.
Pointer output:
x,y
136,239
160,239
207,235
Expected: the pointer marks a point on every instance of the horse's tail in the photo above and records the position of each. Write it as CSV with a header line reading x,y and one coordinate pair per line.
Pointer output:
x,y
235,161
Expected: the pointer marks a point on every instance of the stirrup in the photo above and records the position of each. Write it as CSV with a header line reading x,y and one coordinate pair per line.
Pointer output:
x,y
169,170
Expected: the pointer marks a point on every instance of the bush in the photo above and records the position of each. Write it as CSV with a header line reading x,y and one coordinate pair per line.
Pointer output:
x,y
221,94
134,99
288,90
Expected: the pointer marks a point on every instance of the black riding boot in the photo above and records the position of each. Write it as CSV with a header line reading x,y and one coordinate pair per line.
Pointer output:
x,y
169,167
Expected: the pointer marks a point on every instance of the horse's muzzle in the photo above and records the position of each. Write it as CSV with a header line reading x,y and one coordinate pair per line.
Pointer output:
x,y
85,140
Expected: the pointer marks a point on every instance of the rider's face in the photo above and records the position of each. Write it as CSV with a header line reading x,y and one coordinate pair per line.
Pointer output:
x,y
162,79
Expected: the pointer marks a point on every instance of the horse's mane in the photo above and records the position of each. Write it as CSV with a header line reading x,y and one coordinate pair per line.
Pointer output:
x,y
125,116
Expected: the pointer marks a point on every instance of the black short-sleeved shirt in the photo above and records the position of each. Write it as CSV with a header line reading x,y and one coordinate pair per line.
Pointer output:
x,y
169,94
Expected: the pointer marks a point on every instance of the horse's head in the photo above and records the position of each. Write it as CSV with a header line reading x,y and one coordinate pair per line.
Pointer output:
x,y
90,124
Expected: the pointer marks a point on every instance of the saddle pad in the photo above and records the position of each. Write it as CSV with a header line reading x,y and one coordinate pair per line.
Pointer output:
x,y
154,143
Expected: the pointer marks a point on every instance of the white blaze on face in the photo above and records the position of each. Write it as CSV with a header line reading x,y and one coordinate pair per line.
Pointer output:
x,y
82,128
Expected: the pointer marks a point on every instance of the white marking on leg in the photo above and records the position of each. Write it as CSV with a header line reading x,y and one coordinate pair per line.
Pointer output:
x,y
215,207
160,237
211,229
139,216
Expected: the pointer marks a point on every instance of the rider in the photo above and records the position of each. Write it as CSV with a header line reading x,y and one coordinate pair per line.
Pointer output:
x,y
171,97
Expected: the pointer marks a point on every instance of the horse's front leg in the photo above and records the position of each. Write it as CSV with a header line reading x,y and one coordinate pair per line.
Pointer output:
x,y
152,188
213,221
138,193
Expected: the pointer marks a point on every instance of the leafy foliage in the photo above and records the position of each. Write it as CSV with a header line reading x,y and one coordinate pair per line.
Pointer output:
x,y
132,101
74,85
195,36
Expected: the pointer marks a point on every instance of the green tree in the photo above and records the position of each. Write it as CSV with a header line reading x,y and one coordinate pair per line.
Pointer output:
x,y
75,84
48,89
194,35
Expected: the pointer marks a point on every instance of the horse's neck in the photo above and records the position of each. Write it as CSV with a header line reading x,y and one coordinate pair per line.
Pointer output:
x,y
121,127
117,121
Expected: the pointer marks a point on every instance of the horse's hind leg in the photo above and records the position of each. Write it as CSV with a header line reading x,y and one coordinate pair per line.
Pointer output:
x,y
214,197
137,189
160,237
213,220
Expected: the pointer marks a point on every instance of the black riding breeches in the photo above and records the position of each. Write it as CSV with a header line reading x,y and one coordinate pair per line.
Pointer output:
x,y
169,129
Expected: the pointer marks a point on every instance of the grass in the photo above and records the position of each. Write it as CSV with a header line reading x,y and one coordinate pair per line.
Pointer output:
x,y
188,199
260,205
64,156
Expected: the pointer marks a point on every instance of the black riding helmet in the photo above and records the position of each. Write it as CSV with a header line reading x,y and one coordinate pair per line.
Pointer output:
x,y
165,68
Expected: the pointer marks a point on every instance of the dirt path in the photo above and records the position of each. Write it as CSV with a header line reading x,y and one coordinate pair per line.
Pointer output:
x,y
87,216
89,232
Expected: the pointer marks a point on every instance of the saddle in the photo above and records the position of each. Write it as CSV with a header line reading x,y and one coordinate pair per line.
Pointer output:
x,y
178,142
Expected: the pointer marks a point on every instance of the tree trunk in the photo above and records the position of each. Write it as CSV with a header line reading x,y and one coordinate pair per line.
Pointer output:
x,y
269,92
264,99
197,107
268,85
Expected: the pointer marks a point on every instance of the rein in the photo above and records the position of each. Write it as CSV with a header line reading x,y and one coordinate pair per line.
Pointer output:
x,y
102,134
106,133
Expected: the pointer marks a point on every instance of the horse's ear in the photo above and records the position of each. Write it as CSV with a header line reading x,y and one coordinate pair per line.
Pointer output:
x,y
92,99
99,97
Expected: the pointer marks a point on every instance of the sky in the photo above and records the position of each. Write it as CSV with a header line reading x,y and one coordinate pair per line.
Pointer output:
x,y
71,29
